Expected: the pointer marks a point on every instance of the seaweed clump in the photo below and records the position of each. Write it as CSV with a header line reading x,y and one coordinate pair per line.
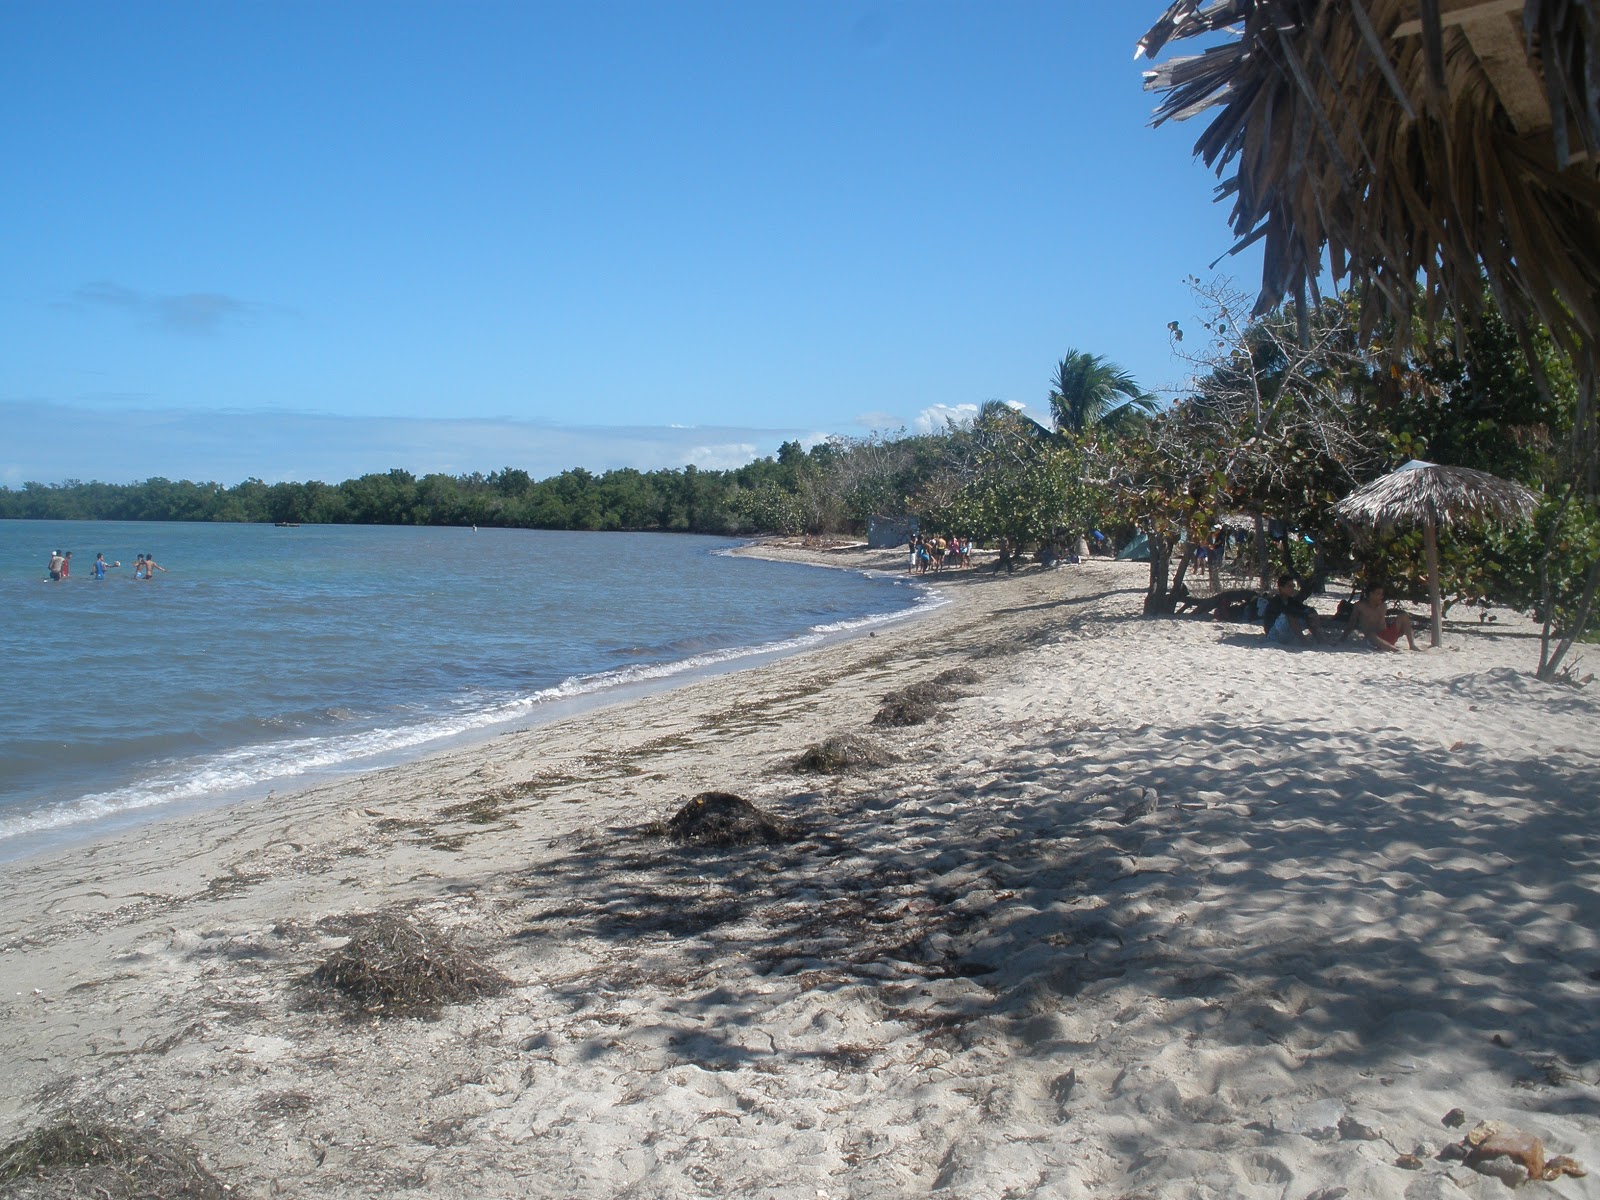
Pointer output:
x,y
840,754
916,704
723,819
76,1157
392,966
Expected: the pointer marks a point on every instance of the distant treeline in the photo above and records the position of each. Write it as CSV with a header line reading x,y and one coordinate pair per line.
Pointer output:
x,y
687,499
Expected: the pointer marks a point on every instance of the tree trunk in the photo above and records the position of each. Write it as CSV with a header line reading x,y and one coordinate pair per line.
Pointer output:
x,y
1261,554
1430,548
1550,663
1155,599
1189,556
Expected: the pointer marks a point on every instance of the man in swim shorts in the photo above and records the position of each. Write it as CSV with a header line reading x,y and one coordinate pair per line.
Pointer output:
x,y
1381,628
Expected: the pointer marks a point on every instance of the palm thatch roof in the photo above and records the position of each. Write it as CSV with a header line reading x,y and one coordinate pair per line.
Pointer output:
x,y
1422,493
1402,142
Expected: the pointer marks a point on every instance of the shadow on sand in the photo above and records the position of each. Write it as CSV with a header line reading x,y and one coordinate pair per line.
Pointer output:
x,y
1310,893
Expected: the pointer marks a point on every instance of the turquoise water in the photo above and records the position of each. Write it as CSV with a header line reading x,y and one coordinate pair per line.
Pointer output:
x,y
265,656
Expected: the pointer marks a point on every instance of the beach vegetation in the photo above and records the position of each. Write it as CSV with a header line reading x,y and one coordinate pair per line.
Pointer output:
x,y
1088,391
1275,427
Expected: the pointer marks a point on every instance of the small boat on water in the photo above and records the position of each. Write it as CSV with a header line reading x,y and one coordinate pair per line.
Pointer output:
x,y
286,524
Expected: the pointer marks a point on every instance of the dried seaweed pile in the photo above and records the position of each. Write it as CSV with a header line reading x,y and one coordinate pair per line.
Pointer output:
x,y
723,819
86,1158
842,753
392,966
919,703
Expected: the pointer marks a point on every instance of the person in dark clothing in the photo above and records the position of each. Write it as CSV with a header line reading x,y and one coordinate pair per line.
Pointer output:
x,y
1288,617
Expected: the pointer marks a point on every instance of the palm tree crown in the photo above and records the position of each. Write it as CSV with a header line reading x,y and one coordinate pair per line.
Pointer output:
x,y
1088,391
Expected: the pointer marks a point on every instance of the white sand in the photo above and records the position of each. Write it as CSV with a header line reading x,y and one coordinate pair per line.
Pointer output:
x,y
1158,910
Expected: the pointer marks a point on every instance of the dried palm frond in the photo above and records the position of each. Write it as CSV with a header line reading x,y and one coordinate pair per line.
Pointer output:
x,y
1372,137
1421,492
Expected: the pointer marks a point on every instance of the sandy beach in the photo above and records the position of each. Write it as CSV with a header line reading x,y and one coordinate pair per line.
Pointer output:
x,y
1150,909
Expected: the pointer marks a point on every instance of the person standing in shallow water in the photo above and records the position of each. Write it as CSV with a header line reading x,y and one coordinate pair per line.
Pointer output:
x,y
53,568
151,566
100,565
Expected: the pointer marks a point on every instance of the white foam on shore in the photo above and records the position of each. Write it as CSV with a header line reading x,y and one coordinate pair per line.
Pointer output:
x,y
247,771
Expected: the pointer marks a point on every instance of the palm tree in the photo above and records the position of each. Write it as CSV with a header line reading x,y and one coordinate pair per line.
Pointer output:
x,y
1086,390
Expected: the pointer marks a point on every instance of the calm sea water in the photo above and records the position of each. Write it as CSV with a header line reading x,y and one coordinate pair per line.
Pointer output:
x,y
265,656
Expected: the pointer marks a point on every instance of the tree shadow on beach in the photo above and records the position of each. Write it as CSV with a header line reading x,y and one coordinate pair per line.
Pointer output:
x,y
1351,896
1082,600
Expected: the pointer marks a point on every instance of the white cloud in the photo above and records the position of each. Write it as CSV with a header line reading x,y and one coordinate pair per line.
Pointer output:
x,y
934,418
882,422
721,458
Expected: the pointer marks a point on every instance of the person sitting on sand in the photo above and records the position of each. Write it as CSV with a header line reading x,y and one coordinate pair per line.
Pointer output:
x,y
1288,616
1380,627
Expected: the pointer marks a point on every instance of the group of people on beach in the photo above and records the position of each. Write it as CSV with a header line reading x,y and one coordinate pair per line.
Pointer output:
x,y
60,566
1286,618
935,553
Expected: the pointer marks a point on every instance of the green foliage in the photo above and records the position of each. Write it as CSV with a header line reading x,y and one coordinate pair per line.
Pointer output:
x,y
771,508
1571,531
1007,477
1039,498
1087,391
1477,397
1477,401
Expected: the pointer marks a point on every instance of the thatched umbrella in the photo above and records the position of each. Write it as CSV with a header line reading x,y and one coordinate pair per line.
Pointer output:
x,y
1423,493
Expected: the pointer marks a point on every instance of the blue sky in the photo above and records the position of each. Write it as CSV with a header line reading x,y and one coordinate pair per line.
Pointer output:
x,y
306,240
